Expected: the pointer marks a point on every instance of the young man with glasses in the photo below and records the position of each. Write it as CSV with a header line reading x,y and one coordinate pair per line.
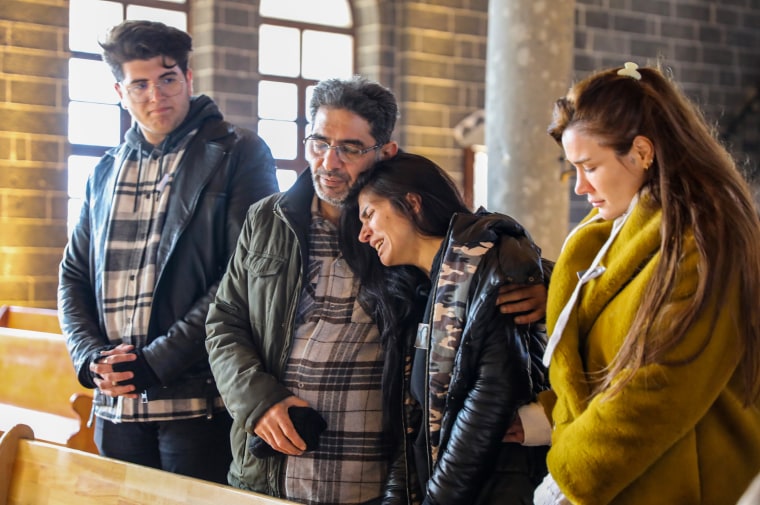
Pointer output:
x,y
160,220
286,329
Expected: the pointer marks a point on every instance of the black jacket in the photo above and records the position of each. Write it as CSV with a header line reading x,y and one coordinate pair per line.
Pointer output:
x,y
496,369
224,170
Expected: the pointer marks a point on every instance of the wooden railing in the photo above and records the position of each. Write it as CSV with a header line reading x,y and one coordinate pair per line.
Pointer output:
x,y
38,473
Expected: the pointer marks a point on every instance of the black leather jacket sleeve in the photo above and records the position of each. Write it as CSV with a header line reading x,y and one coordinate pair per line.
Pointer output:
x,y
395,491
77,304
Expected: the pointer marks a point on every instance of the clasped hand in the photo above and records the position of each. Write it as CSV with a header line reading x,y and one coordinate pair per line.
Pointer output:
x,y
107,379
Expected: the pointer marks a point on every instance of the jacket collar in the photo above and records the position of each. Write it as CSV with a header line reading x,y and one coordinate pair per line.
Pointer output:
x,y
202,158
202,109
294,205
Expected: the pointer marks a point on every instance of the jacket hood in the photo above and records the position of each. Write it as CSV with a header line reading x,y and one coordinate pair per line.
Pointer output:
x,y
202,108
484,226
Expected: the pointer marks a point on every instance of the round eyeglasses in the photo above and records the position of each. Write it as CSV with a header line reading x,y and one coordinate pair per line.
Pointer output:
x,y
346,152
140,92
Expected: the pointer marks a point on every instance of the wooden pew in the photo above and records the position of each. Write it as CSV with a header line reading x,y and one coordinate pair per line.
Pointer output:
x,y
29,318
38,385
38,473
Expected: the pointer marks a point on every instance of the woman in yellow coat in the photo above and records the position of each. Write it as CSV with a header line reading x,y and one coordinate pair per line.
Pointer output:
x,y
654,305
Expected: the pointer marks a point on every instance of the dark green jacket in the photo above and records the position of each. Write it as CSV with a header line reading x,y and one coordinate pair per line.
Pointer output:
x,y
250,325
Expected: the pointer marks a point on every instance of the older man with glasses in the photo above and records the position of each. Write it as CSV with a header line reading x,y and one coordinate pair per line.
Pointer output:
x,y
293,350
160,220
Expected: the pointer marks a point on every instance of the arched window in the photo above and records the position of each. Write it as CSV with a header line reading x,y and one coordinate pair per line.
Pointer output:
x,y
300,43
96,122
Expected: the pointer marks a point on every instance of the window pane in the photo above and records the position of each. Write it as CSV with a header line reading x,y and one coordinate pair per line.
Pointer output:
x,y
278,100
80,168
327,55
286,178
279,50
172,18
281,138
91,81
94,124
324,12
89,20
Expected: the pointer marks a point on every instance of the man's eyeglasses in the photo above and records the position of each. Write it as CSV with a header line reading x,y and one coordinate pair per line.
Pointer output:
x,y
139,92
346,152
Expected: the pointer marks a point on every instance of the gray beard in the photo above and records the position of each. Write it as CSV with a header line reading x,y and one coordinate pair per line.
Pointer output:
x,y
322,196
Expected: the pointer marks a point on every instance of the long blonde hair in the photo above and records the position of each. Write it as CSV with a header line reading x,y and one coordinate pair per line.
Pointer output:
x,y
688,160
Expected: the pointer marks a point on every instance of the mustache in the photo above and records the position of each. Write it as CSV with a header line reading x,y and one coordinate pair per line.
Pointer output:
x,y
321,172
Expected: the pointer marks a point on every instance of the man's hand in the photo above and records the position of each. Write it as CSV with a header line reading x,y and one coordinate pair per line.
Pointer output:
x,y
107,379
277,430
528,302
515,432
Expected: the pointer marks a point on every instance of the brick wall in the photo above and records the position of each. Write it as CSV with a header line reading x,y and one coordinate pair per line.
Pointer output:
x,y
709,46
440,74
225,56
33,102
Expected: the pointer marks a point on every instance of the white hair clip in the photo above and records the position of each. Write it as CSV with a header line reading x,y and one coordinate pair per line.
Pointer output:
x,y
630,70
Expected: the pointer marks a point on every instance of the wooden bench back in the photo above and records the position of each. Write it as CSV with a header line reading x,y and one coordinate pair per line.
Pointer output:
x,y
29,318
38,384
38,473
37,372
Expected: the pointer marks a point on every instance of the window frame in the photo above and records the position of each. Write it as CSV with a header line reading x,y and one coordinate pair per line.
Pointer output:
x,y
299,163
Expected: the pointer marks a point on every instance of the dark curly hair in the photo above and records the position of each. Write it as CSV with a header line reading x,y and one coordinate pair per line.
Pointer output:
x,y
143,40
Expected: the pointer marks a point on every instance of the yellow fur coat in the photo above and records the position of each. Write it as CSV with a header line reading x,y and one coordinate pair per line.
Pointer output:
x,y
676,434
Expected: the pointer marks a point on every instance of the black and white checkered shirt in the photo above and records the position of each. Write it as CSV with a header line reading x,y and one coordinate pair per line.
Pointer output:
x,y
143,189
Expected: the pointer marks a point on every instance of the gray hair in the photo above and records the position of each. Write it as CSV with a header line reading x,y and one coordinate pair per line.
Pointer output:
x,y
363,97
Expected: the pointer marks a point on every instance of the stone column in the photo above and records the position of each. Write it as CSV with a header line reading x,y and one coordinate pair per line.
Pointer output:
x,y
529,64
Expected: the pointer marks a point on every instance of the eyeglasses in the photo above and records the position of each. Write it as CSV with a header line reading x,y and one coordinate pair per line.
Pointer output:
x,y
346,152
139,92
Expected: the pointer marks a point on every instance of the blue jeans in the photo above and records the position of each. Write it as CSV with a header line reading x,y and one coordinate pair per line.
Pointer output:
x,y
197,447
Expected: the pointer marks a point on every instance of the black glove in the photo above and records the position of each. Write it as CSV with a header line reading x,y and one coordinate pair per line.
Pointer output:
x,y
308,423
144,376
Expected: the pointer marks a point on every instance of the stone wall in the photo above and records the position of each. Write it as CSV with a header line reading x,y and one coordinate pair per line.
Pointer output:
x,y
710,47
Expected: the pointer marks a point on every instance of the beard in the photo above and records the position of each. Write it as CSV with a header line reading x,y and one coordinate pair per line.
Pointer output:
x,y
333,197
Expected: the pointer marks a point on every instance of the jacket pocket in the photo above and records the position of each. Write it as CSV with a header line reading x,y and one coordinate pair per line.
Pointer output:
x,y
263,265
